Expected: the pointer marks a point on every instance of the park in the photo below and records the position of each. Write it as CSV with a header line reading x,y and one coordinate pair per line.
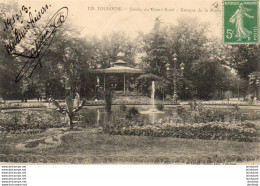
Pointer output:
x,y
169,96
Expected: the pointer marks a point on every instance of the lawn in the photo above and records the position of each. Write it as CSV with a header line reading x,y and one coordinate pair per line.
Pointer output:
x,y
91,146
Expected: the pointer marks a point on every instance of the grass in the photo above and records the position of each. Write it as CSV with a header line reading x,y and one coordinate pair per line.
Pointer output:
x,y
89,146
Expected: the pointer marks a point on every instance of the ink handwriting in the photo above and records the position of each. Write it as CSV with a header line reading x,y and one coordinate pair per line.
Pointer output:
x,y
40,44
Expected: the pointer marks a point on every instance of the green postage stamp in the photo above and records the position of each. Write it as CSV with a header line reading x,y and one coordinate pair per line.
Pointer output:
x,y
240,21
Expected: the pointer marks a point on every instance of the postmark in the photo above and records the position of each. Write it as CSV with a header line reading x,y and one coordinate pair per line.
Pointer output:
x,y
240,22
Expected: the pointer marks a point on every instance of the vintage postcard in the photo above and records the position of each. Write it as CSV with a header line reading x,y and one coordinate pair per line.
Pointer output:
x,y
130,82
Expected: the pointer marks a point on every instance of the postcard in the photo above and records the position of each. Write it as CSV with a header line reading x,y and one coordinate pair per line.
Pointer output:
x,y
130,82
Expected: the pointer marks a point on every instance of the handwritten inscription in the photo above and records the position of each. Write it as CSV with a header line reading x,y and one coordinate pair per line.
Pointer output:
x,y
37,49
20,33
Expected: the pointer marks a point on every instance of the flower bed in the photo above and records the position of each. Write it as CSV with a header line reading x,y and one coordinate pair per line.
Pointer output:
x,y
23,105
28,122
226,102
244,131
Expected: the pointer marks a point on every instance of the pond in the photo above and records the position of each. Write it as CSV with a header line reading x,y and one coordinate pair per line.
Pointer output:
x,y
92,115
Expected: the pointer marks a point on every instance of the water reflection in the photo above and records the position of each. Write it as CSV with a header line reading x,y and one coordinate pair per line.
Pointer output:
x,y
94,116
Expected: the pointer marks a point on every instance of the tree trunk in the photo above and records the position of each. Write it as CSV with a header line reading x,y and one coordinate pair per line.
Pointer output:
x,y
257,93
71,122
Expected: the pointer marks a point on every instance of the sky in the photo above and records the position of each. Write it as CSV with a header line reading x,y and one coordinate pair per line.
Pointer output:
x,y
97,18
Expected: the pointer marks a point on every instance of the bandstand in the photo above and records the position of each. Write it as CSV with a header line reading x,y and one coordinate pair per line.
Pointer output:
x,y
121,75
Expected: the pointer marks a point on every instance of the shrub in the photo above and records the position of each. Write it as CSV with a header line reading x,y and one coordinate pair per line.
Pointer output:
x,y
199,113
212,130
123,107
28,122
132,112
182,113
253,115
160,107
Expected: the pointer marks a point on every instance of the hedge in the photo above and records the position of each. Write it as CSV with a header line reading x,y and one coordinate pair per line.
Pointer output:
x,y
243,131
28,122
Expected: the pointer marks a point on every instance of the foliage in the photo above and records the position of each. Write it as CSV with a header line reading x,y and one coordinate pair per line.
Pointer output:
x,y
254,82
22,105
183,113
243,58
132,112
212,131
161,84
54,89
160,107
204,65
199,113
205,72
72,106
123,107
8,65
156,49
117,123
187,39
28,122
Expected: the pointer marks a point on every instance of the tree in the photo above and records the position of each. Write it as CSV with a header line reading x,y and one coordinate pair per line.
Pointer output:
x,y
72,106
156,50
161,84
8,65
54,89
207,77
187,39
245,59
254,82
